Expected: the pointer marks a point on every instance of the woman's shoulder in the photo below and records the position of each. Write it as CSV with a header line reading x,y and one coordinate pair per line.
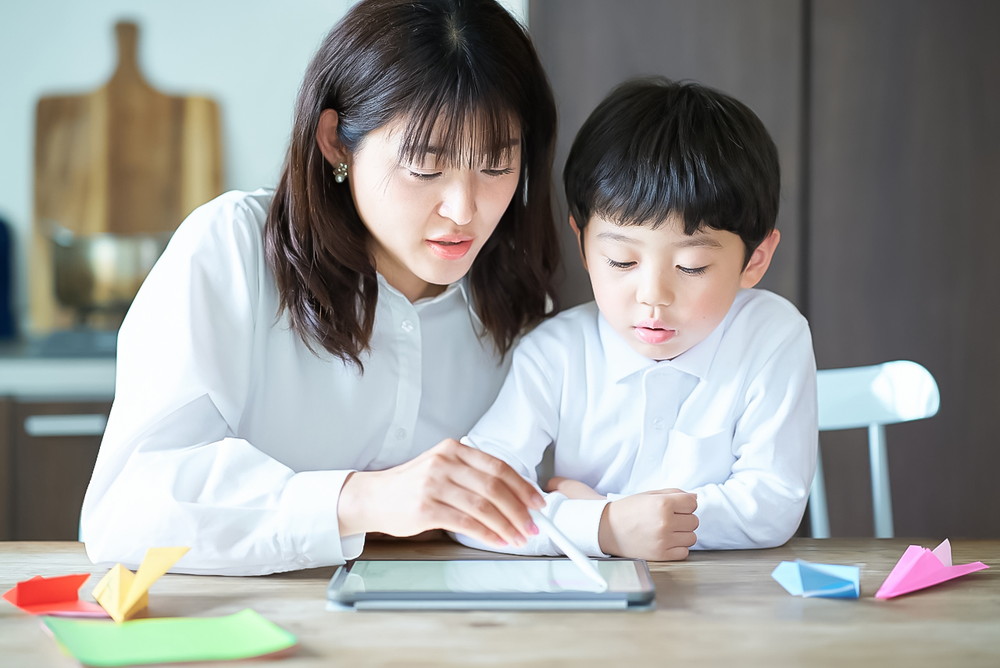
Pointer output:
x,y
236,207
232,217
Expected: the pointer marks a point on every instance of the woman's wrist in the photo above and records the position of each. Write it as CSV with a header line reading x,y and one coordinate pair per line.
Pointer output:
x,y
351,506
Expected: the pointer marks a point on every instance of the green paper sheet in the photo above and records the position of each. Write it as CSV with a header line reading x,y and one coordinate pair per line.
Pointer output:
x,y
241,635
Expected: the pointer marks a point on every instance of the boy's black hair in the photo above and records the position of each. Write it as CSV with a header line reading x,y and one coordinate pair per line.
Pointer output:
x,y
654,147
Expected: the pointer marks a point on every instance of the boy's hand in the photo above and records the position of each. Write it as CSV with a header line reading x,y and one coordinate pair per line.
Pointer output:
x,y
657,526
572,489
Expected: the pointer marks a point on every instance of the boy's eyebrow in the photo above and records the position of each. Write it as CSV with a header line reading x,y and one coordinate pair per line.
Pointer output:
x,y
697,240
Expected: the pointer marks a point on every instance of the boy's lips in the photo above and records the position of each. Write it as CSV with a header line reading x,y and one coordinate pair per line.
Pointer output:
x,y
653,332
450,246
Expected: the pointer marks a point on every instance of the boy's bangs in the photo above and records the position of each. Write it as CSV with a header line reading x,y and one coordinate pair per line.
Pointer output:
x,y
460,132
652,194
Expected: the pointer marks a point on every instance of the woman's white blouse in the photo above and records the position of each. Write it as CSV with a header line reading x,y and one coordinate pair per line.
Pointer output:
x,y
230,436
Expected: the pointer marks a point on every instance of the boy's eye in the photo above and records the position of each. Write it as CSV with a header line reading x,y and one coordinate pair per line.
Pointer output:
x,y
692,271
620,265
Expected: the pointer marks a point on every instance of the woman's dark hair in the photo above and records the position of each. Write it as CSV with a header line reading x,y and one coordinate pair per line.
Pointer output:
x,y
654,147
451,68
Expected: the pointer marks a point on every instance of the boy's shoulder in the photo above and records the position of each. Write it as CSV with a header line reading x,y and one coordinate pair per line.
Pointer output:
x,y
756,305
761,320
578,319
572,328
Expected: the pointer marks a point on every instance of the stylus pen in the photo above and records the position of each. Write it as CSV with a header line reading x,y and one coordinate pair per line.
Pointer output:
x,y
582,561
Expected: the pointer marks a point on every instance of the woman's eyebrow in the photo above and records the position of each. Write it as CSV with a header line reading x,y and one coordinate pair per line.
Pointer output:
x,y
509,144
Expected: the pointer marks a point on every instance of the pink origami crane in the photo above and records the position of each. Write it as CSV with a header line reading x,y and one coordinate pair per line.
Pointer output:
x,y
919,568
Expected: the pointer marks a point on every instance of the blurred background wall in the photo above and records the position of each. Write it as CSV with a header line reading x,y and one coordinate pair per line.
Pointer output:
x,y
884,112
248,55
885,116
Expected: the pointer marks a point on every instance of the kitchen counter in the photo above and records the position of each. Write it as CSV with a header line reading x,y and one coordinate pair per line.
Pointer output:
x,y
63,365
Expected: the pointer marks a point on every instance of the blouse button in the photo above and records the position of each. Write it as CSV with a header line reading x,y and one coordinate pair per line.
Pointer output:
x,y
658,423
400,434
406,326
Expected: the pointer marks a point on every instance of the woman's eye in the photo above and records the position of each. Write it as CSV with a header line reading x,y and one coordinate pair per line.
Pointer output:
x,y
499,172
620,265
692,271
424,176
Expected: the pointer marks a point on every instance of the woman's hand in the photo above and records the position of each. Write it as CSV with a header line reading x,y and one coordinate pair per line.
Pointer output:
x,y
451,487
658,525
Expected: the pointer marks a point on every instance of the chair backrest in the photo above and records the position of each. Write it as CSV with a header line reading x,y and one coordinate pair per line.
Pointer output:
x,y
871,397
886,393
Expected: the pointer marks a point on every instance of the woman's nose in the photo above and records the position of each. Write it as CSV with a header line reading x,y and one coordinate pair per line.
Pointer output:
x,y
459,201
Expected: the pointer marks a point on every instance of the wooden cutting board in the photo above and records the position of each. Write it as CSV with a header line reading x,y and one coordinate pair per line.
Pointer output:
x,y
123,159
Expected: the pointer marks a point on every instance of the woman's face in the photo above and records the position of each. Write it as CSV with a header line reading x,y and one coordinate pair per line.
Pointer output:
x,y
428,220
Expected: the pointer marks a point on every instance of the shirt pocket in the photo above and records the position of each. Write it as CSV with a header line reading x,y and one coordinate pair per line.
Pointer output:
x,y
691,461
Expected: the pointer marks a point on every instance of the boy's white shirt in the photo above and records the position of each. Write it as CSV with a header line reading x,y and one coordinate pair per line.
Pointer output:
x,y
228,435
732,420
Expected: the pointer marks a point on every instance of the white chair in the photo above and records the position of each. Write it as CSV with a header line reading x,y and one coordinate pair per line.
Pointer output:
x,y
872,397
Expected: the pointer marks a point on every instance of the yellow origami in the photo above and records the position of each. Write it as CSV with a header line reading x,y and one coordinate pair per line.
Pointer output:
x,y
123,593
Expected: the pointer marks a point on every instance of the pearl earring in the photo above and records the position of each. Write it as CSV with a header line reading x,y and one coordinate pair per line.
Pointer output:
x,y
340,172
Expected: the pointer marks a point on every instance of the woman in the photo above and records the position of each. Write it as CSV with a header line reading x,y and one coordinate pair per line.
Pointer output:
x,y
294,355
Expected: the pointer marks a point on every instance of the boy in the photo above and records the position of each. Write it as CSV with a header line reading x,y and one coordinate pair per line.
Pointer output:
x,y
679,376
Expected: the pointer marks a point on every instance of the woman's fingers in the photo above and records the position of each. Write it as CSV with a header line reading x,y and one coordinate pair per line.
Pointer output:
x,y
498,469
493,494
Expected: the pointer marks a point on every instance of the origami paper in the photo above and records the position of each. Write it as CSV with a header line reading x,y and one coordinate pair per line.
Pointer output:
x,y
919,568
242,635
53,596
123,593
809,580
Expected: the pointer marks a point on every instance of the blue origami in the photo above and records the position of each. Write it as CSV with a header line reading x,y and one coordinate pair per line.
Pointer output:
x,y
809,580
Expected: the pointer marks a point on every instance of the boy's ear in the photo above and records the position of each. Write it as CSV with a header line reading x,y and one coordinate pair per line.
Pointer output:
x,y
327,140
760,260
579,239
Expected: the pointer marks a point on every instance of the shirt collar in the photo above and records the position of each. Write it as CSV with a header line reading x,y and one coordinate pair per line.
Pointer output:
x,y
458,286
623,361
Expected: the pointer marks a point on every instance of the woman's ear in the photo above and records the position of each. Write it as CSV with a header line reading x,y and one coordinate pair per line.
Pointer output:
x,y
579,239
760,260
327,139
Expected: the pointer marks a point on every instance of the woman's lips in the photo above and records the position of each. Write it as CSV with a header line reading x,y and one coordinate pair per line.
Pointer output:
x,y
653,332
451,247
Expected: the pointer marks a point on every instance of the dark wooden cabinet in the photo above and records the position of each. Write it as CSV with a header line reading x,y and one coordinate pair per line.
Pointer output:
x,y
885,116
47,453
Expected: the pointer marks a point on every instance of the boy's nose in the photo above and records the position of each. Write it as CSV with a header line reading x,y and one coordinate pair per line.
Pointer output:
x,y
655,290
459,202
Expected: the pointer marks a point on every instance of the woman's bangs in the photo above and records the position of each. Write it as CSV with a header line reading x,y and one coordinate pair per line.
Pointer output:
x,y
460,132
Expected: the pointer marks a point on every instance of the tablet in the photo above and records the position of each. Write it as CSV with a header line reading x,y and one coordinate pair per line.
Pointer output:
x,y
489,584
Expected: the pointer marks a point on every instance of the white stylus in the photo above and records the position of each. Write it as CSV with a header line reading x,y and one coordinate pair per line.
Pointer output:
x,y
582,561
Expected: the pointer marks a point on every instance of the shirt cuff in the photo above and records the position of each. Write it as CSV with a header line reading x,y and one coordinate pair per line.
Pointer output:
x,y
580,521
311,527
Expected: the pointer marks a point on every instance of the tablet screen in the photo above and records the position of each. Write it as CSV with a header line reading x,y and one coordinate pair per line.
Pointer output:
x,y
628,580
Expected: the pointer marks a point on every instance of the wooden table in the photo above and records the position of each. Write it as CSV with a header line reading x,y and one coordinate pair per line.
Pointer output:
x,y
716,608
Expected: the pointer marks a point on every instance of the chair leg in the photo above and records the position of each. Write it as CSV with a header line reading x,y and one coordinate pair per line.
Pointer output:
x,y
819,520
881,497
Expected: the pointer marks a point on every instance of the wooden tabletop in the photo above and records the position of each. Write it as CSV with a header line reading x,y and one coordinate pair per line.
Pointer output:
x,y
715,608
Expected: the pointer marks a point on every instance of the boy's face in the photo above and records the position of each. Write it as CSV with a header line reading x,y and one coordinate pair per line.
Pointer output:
x,y
662,290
